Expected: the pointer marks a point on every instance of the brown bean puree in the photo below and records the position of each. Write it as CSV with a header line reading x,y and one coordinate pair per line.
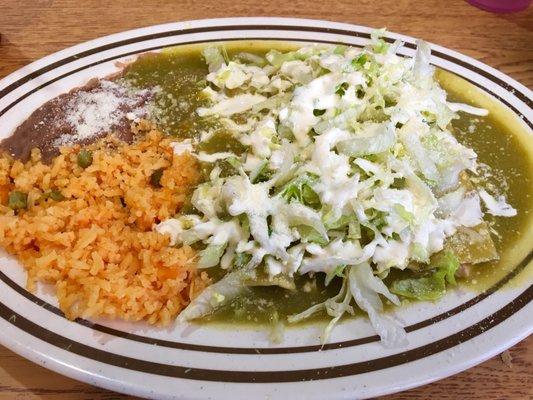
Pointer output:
x,y
82,116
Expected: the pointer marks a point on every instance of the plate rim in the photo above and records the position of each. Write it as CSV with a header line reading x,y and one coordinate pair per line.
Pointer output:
x,y
11,78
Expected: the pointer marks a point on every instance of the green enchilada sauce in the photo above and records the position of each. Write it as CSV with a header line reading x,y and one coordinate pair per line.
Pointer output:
x,y
180,72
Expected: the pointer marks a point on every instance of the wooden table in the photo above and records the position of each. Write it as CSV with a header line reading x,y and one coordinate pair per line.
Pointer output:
x,y
32,29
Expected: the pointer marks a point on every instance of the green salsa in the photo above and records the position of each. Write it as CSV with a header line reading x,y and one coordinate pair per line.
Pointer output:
x,y
179,74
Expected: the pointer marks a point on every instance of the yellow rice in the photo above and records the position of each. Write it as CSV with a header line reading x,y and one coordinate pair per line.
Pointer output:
x,y
97,245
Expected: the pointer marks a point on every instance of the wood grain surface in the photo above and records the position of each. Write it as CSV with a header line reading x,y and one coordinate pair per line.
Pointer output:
x,y
30,30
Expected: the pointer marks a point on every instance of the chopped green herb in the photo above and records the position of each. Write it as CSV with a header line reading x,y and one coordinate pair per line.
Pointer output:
x,y
318,113
53,194
17,200
56,195
85,158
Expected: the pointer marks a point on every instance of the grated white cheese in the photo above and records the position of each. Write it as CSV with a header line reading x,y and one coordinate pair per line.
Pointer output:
x,y
102,109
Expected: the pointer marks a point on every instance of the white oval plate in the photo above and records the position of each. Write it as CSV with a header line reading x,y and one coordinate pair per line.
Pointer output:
x,y
458,332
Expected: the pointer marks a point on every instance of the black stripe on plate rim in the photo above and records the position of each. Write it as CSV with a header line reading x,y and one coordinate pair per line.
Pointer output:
x,y
529,102
214,348
266,350
337,371
178,32
160,35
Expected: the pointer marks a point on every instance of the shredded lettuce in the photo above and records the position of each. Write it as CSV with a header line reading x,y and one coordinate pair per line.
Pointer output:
x,y
498,207
365,289
300,189
310,235
350,169
214,58
431,285
337,272
210,256
361,286
422,70
251,58
373,139
232,105
214,297
260,173
335,306
277,58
